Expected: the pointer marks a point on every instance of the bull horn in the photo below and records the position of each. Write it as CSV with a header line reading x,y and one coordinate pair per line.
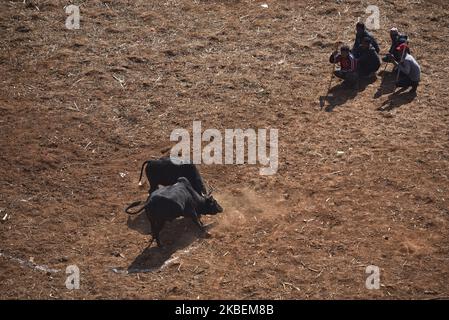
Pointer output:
x,y
206,185
211,189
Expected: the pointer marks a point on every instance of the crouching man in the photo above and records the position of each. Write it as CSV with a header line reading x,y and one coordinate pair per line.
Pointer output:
x,y
368,62
348,66
409,70
396,40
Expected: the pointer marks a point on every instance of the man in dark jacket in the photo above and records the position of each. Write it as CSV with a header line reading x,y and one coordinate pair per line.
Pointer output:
x,y
396,40
361,33
368,62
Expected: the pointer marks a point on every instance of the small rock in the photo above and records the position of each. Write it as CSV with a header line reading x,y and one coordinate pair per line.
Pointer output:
x,y
174,289
23,29
118,254
118,270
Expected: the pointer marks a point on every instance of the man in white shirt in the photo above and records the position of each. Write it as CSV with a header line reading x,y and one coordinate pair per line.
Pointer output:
x,y
409,70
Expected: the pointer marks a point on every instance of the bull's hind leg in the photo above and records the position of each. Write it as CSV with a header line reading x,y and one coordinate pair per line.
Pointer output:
x,y
155,232
160,226
155,236
155,229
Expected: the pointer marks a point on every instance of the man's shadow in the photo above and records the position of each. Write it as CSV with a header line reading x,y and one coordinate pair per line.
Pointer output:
x,y
387,84
176,235
364,82
397,99
337,95
340,93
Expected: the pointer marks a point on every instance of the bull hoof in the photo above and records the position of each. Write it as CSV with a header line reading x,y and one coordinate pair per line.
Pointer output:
x,y
206,235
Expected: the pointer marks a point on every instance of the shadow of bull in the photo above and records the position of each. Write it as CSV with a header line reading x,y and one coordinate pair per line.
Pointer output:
x,y
177,235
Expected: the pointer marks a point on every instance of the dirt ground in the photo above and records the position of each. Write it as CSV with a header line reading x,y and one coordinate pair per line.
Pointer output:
x,y
362,181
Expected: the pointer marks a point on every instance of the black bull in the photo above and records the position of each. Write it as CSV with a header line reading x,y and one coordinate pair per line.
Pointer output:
x,y
166,172
177,200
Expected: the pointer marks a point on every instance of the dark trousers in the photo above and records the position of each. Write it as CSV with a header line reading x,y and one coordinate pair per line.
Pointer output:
x,y
366,69
350,77
391,59
404,82
387,59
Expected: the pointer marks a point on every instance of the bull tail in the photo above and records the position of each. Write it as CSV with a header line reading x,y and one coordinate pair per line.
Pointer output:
x,y
141,172
135,204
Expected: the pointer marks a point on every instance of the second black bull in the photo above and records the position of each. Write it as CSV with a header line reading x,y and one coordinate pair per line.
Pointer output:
x,y
166,172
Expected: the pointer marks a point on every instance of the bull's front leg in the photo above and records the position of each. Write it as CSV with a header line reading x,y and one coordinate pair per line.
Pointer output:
x,y
197,221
